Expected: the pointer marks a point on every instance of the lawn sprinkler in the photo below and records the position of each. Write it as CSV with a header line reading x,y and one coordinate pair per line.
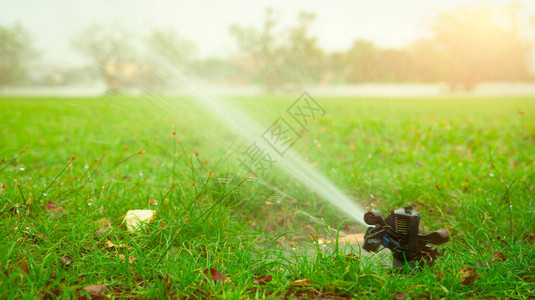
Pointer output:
x,y
399,233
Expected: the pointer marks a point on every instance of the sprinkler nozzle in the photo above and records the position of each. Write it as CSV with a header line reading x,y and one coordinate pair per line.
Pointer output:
x,y
399,233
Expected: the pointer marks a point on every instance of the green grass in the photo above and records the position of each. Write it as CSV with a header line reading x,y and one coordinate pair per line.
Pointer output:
x,y
459,161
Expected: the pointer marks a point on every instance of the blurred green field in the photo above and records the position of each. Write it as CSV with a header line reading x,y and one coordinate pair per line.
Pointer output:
x,y
466,164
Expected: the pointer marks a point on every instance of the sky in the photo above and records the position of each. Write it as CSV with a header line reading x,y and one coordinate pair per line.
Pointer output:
x,y
53,23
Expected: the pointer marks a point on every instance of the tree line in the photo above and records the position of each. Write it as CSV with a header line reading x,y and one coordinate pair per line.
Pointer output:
x,y
467,46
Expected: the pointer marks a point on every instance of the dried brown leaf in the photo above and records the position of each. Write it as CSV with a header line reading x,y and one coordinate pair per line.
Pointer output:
x,y
24,266
262,280
301,282
112,245
215,275
131,259
469,280
95,289
400,296
466,271
53,207
498,256
468,275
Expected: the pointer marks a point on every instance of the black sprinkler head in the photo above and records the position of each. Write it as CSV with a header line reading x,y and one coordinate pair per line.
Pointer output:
x,y
399,233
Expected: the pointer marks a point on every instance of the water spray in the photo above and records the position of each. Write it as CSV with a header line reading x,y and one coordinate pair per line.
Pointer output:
x,y
399,233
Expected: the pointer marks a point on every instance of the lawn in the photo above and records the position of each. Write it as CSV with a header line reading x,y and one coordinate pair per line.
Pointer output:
x,y
71,168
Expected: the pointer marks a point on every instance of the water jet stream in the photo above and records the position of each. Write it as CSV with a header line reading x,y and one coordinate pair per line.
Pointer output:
x,y
291,162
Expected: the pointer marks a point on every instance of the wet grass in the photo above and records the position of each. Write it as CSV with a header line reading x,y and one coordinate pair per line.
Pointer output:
x,y
466,164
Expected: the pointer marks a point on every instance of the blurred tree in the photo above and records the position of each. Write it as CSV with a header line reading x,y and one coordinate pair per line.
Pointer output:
x,y
337,68
303,60
263,60
15,52
111,51
480,44
364,60
368,63
427,63
168,54
216,69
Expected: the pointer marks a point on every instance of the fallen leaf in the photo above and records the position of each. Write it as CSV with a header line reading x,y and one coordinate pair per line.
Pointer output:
x,y
131,259
301,282
468,275
498,256
24,266
110,244
357,238
400,296
53,207
95,289
465,271
215,275
135,218
262,280
470,279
